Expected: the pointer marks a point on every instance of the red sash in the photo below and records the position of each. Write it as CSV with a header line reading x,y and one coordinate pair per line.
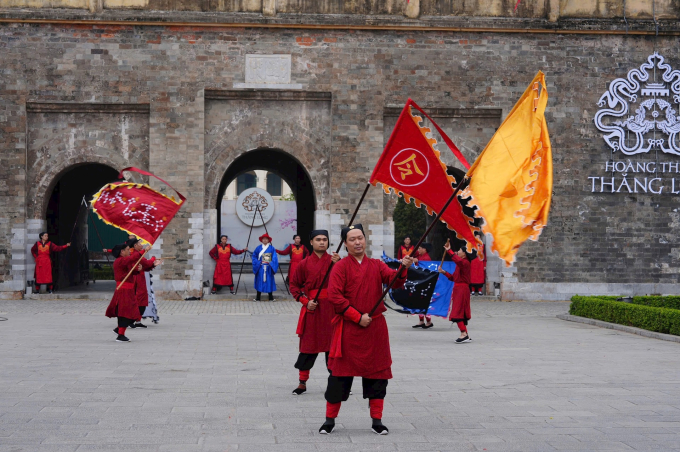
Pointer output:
x,y
303,311
336,341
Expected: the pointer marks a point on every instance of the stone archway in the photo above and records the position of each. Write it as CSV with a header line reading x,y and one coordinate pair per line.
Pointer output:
x,y
285,166
65,217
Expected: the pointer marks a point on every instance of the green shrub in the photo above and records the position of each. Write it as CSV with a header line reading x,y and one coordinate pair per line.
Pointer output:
x,y
671,302
662,320
102,275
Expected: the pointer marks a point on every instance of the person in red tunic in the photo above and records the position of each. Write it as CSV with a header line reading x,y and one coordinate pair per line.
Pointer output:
x,y
360,346
460,297
406,249
124,302
314,324
477,275
147,265
297,252
221,254
42,251
422,256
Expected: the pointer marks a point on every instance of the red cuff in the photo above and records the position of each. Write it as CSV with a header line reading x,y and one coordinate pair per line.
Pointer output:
x,y
304,300
450,251
352,315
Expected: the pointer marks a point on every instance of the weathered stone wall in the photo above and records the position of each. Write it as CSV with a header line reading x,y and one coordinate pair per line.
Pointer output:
x,y
634,9
597,239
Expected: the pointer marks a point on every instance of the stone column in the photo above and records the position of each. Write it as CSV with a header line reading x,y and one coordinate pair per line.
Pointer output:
x,y
269,7
412,9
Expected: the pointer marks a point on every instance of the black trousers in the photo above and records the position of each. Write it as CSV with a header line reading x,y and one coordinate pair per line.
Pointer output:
x,y
339,388
306,361
217,287
476,287
271,296
124,322
141,310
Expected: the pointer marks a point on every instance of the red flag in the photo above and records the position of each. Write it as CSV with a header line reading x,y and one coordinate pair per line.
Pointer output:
x,y
136,208
410,165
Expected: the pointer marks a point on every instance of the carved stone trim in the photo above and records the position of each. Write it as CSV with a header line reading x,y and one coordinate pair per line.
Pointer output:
x,y
65,107
436,112
279,95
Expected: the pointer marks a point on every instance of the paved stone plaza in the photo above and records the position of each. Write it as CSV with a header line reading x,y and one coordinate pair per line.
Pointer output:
x,y
217,376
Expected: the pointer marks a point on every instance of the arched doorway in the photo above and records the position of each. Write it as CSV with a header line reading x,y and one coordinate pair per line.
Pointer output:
x,y
67,220
283,167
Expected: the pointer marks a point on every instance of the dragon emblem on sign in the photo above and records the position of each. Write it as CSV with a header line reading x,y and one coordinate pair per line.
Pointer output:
x,y
655,124
254,200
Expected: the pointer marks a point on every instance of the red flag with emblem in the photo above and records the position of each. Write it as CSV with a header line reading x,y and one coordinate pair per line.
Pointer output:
x,y
136,208
411,167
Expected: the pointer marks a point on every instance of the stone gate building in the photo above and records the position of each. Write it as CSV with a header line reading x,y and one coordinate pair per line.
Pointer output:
x,y
198,91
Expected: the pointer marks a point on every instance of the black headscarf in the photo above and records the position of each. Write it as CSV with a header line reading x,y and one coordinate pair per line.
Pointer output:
x,y
118,248
345,231
131,243
316,232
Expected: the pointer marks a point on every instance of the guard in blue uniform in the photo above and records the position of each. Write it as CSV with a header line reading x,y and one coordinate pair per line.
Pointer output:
x,y
265,266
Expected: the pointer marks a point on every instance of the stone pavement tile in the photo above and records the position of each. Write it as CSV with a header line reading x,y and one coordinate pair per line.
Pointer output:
x,y
593,445
118,448
39,448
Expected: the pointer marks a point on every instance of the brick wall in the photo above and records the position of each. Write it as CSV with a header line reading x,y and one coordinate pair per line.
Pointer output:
x,y
592,238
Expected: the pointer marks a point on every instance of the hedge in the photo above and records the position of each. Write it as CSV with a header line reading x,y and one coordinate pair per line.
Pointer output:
x,y
661,320
671,302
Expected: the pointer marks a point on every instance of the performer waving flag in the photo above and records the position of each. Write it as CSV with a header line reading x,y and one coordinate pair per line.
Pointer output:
x,y
140,210
314,324
360,346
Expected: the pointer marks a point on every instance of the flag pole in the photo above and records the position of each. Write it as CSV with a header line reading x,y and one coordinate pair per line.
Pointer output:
x,y
354,215
257,209
132,269
422,239
448,241
245,253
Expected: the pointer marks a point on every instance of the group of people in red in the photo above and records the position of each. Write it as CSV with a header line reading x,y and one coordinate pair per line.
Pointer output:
x,y
223,251
131,296
468,278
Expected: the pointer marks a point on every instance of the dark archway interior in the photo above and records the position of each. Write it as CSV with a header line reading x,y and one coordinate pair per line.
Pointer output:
x,y
286,167
64,210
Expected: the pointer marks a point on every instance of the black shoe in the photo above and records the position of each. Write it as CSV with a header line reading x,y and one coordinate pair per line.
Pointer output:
x,y
232,292
115,330
140,325
462,340
380,429
301,389
122,338
132,326
420,325
49,291
326,428
428,326
257,299
213,292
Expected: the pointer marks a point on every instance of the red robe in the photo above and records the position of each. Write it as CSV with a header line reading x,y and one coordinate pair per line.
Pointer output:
x,y
460,297
297,254
222,255
403,251
423,257
314,327
354,289
141,292
43,261
477,270
124,301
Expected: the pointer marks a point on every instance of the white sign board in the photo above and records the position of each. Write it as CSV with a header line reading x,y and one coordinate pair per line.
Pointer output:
x,y
255,205
268,69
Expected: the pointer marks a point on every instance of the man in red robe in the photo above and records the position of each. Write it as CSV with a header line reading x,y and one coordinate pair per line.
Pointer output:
x,y
141,292
477,275
42,251
406,249
314,324
422,256
298,253
460,297
221,253
360,346
123,305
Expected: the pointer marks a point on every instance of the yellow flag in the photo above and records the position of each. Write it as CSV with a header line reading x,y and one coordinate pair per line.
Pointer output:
x,y
511,181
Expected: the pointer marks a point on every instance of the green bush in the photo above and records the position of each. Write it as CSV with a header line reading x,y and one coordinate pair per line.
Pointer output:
x,y
105,274
671,302
662,320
